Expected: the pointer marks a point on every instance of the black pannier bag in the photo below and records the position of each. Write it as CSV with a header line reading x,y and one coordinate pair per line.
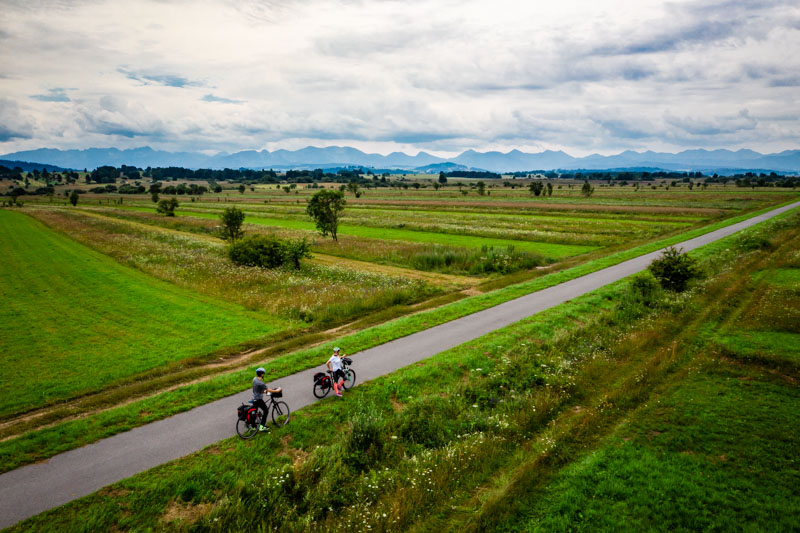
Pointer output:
x,y
319,376
241,411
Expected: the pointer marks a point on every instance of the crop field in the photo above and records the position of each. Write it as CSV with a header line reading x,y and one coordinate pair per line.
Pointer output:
x,y
76,321
624,408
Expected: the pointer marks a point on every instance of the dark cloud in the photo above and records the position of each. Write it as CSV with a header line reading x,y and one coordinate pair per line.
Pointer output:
x,y
13,123
793,81
714,125
53,95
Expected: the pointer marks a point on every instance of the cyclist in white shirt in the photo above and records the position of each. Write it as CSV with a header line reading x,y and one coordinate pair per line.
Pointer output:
x,y
335,366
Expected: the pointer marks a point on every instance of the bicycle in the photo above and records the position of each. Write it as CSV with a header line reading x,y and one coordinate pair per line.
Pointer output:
x,y
323,381
249,417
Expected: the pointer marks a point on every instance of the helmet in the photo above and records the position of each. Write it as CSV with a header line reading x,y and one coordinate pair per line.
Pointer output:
x,y
336,349
260,371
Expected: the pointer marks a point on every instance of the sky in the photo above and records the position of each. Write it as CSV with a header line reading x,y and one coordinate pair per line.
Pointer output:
x,y
437,76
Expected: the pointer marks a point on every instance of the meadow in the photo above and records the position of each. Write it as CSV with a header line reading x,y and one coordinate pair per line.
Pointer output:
x,y
359,277
623,399
76,321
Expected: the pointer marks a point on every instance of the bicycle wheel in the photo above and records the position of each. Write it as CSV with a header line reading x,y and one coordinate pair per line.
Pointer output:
x,y
320,390
349,379
280,413
245,430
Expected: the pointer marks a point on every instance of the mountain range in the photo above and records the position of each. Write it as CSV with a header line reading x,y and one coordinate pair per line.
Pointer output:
x,y
707,161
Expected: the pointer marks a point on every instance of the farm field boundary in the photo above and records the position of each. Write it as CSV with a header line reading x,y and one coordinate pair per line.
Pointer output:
x,y
24,490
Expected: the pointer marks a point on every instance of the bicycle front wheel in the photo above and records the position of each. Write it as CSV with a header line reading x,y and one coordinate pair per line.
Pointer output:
x,y
349,379
280,413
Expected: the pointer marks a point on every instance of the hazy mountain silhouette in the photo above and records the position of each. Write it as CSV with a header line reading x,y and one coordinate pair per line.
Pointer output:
x,y
338,156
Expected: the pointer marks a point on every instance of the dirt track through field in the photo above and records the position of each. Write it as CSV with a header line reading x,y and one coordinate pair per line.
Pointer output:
x,y
36,488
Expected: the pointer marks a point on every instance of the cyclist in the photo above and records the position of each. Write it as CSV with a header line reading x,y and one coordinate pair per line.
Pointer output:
x,y
259,387
335,366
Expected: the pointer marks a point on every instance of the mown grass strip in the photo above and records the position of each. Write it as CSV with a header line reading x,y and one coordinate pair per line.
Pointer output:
x,y
76,320
37,445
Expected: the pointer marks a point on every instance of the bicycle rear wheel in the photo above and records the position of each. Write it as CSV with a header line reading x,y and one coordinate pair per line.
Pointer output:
x,y
245,430
280,413
320,389
349,378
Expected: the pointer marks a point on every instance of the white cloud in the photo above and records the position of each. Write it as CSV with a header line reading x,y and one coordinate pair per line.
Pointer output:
x,y
442,76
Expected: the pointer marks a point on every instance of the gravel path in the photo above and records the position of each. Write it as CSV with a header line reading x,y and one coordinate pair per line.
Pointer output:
x,y
35,488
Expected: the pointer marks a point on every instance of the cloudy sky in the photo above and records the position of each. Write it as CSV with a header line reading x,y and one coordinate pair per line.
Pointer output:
x,y
594,76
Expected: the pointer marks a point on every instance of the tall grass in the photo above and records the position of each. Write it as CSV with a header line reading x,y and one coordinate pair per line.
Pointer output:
x,y
314,294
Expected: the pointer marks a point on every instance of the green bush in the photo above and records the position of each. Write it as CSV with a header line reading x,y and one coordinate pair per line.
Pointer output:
x,y
268,251
645,289
257,250
674,269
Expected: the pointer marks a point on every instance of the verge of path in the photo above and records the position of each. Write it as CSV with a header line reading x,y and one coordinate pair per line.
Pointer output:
x,y
35,488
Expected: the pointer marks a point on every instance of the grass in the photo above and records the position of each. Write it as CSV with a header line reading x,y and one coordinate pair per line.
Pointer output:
x,y
548,250
315,294
471,436
82,322
37,445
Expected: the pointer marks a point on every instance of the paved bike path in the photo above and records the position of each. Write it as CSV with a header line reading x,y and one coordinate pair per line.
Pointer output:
x,y
35,488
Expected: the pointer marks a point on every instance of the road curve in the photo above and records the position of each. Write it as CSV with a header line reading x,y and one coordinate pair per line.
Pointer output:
x,y
36,488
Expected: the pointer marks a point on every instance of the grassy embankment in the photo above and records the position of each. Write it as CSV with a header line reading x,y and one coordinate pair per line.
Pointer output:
x,y
490,432
76,321
36,445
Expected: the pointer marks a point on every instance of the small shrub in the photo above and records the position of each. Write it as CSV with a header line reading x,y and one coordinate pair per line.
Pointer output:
x,y
750,242
645,289
257,250
167,207
268,251
674,269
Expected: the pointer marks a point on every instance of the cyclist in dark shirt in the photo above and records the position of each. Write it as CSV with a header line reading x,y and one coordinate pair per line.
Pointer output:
x,y
259,388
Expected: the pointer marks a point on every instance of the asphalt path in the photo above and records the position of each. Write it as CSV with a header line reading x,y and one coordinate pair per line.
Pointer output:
x,y
36,488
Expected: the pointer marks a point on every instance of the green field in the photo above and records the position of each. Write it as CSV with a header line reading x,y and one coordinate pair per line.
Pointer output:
x,y
76,320
617,410
549,250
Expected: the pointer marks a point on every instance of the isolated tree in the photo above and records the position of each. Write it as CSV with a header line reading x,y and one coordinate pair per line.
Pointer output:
x,y
73,198
167,207
325,207
241,189
481,188
437,186
674,269
587,189
353,188
549,189
442,178
536,188
231,221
